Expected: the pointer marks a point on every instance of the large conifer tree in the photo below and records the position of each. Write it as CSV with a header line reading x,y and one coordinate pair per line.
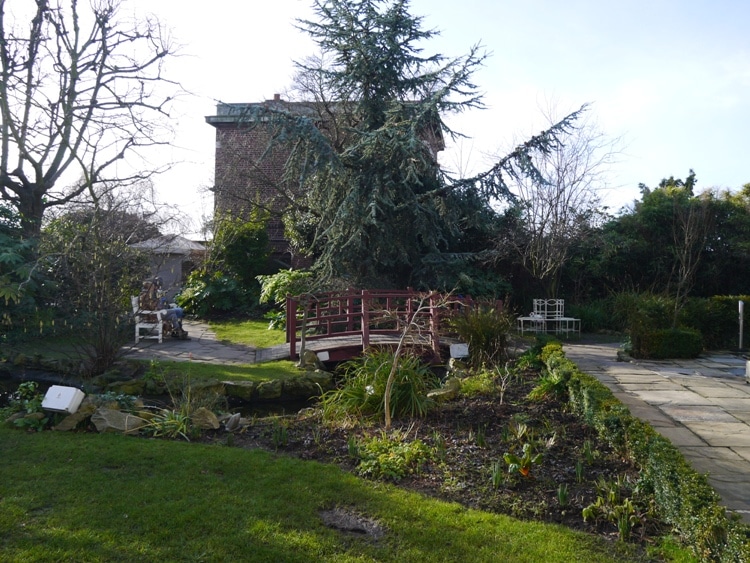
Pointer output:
x,y
372,205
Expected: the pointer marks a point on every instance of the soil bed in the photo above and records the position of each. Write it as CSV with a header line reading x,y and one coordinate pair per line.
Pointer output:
x,y
470,436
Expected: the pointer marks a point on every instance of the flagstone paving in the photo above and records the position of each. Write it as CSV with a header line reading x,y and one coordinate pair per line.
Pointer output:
x,y
702,406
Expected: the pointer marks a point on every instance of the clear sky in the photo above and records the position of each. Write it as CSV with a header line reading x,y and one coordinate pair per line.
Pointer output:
x,y
670,77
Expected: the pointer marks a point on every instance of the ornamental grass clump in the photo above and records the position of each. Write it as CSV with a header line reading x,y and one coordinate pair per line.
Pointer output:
x,y
485,328
362,390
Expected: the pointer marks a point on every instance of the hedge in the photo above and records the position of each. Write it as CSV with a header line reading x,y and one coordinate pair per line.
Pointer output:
x,y
685,499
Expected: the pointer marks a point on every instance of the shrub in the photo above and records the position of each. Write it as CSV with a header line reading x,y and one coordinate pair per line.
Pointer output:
x,y
226,281
211,294
480,383
596,316
667,343
716,318
485,328
276,287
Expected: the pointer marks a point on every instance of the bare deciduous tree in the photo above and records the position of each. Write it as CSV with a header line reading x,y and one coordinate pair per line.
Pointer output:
x,y
81,89
557,211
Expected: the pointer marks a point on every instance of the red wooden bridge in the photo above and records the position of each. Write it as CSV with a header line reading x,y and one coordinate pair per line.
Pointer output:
x,y
345,323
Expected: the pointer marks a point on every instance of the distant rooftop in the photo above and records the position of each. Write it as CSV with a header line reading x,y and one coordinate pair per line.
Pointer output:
x,y
170,244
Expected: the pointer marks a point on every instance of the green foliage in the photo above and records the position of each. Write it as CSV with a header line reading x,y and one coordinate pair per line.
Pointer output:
x,y
716,318
361,391
522,464
667,343
169,423
26,400
241,247
226,282
563,495
610,508
639,250
553,382
485,328
17,275
279,434
649,319
391,457
370,203
207,295
481,382
276,287
596,315
550,385
497,474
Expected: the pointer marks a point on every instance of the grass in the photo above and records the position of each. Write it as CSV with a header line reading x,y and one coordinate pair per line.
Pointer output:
x,y
105,497
279,369
249,332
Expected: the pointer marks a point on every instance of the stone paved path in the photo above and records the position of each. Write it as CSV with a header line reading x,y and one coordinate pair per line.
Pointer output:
x,y
702,406
202,347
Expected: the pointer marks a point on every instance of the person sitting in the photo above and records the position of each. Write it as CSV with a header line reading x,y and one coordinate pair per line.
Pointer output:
x,y
152,298
173,319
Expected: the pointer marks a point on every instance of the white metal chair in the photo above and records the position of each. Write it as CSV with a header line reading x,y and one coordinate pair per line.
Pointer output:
x,y
149,321
548,316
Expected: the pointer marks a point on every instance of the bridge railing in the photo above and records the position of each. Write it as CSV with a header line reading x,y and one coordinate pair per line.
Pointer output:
x,y
366,313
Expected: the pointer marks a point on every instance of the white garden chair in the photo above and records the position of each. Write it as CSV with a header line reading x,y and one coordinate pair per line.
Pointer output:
x,y
149,321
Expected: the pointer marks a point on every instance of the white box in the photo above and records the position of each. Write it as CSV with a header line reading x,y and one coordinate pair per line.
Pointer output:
x,y
459,350
63,399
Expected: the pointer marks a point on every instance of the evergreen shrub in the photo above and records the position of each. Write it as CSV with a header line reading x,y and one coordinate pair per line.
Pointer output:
x,y
660,344
717,318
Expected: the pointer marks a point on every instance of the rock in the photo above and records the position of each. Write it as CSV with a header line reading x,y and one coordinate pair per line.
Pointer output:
x,y
207,387
270,389
232,423
70,422
447,392
309,361
300,388
322,378
457,367
244,390
129,387
111,420
15,416
204,419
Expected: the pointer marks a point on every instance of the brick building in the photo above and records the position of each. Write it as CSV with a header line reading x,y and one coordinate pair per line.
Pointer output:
x,y
248,176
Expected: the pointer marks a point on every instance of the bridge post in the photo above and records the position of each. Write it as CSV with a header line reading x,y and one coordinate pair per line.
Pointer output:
x,y
365,319
291,326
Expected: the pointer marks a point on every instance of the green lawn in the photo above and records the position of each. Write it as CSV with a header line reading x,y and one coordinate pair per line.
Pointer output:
x,y
250,332
90,497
